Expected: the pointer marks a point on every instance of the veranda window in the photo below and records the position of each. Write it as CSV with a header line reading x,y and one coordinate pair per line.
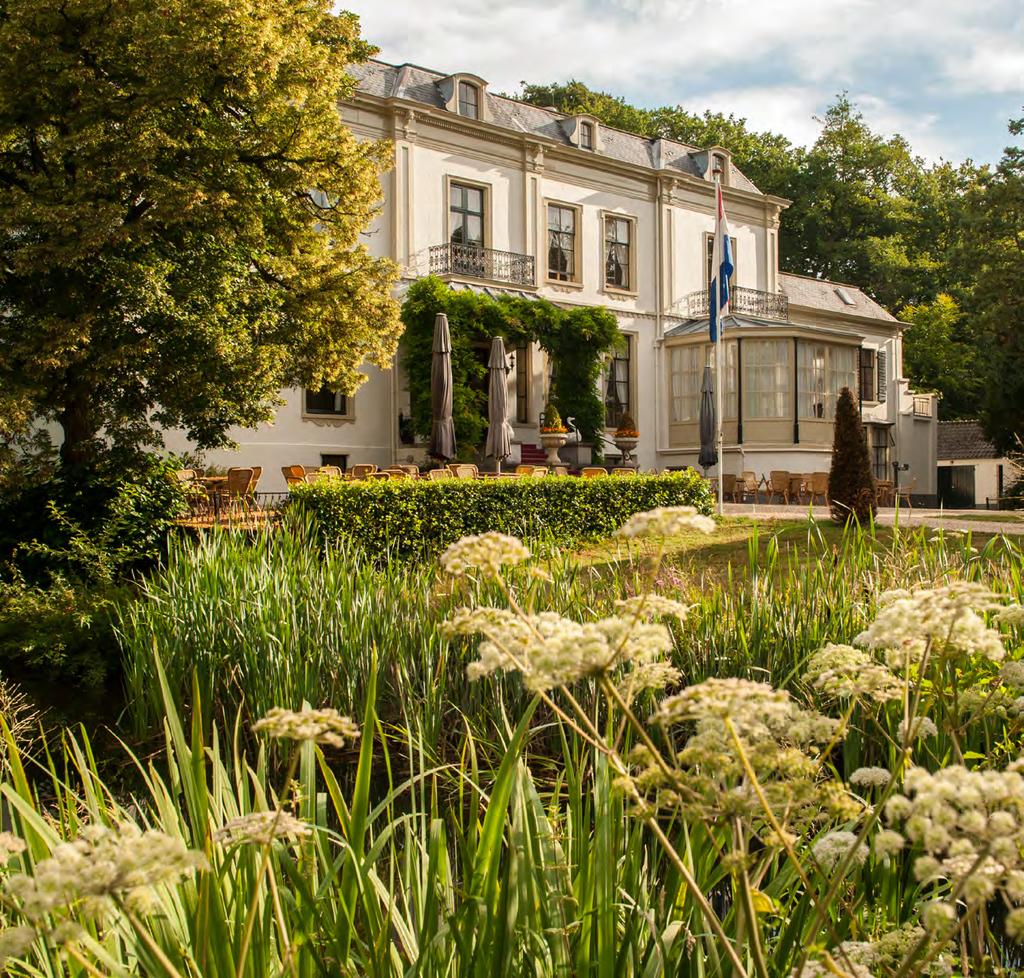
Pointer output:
x,y
767,378
730,404
842,373
811,376
686,364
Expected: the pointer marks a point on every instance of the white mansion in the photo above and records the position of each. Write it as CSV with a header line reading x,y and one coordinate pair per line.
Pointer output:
x,y
493,194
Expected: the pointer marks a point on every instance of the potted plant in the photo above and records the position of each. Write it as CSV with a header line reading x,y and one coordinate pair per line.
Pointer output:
x,y
553,433
626,437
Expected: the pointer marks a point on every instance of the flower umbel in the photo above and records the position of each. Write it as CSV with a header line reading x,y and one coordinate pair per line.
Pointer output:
x,y
946,617
123,861
666,521
486,553
262,828
324,726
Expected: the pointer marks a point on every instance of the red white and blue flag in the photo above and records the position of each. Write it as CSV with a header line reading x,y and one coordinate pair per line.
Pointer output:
x,y
721,267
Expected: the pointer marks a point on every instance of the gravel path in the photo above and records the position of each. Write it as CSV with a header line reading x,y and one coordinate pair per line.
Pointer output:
x,y
949,519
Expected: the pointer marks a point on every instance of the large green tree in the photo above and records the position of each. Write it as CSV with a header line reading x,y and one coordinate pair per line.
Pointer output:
x,y
938,357
180,211
997,244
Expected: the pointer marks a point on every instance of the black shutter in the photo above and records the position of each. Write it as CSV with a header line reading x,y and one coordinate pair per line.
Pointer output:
x,y
882,379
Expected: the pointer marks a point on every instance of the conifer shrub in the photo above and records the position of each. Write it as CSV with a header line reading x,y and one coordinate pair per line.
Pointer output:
x,y
851,486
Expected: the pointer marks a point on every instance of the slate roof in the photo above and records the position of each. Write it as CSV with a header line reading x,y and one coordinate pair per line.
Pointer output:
x,y
418,84
964,439
819,293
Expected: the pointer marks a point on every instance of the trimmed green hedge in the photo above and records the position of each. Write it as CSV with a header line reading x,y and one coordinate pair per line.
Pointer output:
x,y
422,517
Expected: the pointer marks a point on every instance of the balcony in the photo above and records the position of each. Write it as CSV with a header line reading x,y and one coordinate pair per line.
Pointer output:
x,y
485,263
742,302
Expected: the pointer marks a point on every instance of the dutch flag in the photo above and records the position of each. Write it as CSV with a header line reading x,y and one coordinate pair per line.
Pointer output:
x,y
721,267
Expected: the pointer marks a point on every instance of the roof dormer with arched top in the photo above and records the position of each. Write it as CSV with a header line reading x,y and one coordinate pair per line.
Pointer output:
x,y
465,95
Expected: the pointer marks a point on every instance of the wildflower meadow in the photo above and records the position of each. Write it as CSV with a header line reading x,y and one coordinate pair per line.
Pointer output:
x,y
512,760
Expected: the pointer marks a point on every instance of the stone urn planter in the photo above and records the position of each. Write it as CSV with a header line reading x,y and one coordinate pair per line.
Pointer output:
x,y
552,441
627,446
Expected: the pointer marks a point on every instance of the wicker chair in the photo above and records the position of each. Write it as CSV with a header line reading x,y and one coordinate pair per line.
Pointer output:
x,y
559,470
778,485
750,485
524,470
731,487
437,475
331,472
363,469
592,471
623,471
539,471
293,474
903,493
464,470
382,475
819,487
411,471
796,487
236,496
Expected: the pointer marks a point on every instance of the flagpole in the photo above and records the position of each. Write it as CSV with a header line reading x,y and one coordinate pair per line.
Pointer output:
x,y
718,377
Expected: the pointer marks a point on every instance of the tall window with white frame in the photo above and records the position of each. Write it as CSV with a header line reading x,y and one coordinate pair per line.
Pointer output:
x,y
709,251
522,355
618,247
618,386
466,229
469,100
868,391
561,243
586,135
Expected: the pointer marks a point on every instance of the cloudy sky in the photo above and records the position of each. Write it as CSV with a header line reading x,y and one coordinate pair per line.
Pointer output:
x,y
947,74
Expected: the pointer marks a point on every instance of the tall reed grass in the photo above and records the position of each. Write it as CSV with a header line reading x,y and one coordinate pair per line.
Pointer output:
x,y
471,830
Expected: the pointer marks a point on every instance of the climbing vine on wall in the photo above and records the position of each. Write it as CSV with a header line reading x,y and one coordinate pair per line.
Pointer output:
x,y
578,340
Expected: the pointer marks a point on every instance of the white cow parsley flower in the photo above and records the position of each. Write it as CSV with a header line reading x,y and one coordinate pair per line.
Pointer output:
x,y
666,521
485,553
324,726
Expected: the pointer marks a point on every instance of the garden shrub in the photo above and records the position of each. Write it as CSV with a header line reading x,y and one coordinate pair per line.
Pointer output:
x,y
421,518
71,545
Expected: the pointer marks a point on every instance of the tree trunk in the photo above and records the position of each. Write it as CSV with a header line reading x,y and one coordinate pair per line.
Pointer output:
x,y
80,429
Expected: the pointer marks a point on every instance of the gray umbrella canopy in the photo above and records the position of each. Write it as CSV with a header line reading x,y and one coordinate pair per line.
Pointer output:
x,y
499,431
708,449
442,431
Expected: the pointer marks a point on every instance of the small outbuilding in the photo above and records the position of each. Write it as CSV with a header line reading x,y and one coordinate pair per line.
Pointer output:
x,y
971,473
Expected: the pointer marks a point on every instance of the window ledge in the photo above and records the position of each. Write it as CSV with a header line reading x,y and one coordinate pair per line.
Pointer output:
x,y
329,420
555,283
615,293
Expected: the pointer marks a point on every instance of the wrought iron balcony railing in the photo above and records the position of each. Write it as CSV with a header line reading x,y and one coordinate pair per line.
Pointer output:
x,y
743,302
486,263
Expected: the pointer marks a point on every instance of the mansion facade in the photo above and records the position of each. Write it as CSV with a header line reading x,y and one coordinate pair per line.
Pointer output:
x,y
492,194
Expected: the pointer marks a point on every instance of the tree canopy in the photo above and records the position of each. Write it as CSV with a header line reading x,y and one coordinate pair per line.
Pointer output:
x,y
939,245
180,211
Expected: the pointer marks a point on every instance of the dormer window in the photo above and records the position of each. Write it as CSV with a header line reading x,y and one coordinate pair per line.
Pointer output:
x,y
717,165
469,100
586,135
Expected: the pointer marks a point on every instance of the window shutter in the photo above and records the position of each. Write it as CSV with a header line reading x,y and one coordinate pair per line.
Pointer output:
x,y
882,379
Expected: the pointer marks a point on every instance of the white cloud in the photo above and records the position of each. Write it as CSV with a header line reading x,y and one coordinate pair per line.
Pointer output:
x,y
801,52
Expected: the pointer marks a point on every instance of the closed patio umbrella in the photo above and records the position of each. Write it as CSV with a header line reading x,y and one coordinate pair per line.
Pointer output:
x,y
708,450
499,431
442,431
